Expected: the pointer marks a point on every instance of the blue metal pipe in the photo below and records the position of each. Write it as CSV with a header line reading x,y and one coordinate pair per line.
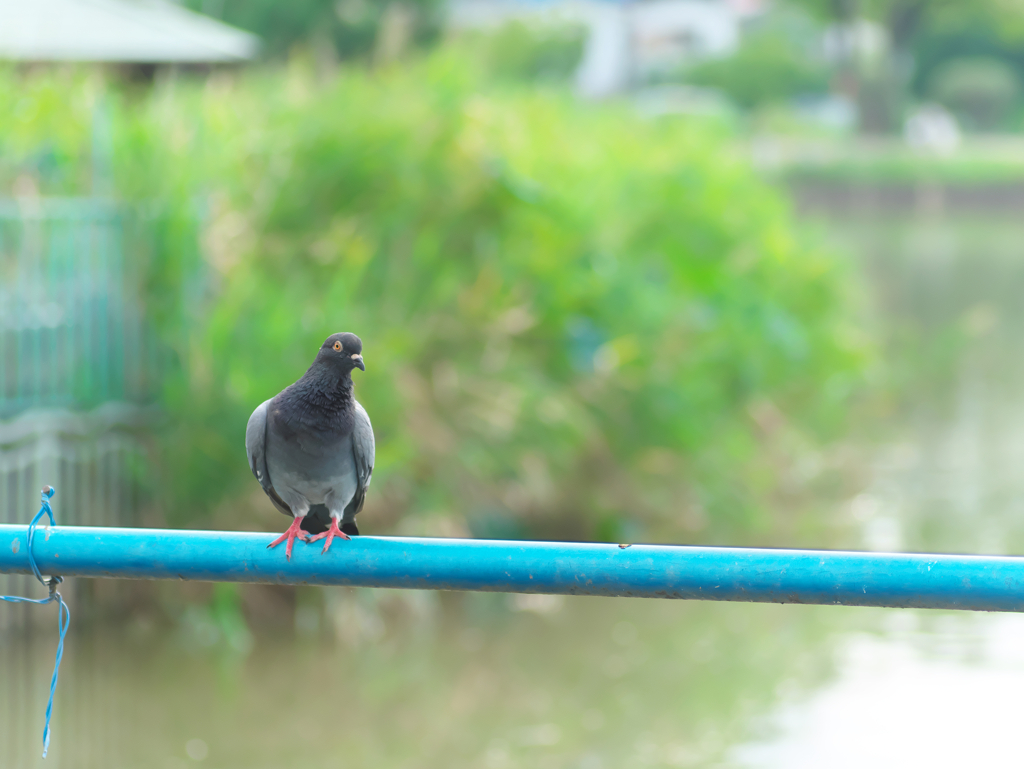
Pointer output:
x,y
979,583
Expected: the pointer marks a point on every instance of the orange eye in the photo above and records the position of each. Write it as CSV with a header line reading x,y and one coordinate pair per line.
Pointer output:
x,y
337,346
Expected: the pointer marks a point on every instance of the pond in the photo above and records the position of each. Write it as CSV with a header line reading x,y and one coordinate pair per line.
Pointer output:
x,y
419,680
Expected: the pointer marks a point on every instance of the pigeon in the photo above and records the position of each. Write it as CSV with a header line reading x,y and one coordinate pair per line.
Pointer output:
x,y
311,447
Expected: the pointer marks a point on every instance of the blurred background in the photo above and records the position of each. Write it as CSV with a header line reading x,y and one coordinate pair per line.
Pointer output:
x,y
686,271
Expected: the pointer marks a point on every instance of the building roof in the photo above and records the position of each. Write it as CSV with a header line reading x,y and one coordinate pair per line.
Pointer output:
x,y
125,31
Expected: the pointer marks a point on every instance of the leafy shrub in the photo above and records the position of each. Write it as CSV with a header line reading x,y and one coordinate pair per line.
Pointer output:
x,y
574,319
766,68
569,314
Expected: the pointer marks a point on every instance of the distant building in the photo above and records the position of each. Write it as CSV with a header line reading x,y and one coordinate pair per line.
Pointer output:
x,y
117,31
628,42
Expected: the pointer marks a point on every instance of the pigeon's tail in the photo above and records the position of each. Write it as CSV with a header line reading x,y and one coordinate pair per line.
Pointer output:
x,y
318,520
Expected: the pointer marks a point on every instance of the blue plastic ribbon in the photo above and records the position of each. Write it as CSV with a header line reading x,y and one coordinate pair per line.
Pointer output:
x,y
63,613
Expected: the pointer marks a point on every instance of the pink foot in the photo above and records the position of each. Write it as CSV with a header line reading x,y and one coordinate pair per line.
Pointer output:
x,y
293,533
331,533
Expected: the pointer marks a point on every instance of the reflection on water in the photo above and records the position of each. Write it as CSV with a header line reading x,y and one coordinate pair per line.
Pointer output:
x,y
487,682
930,688
420,680
949,295
939,691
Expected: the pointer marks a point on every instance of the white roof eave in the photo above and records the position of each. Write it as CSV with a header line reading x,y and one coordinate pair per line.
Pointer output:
x,y
123,31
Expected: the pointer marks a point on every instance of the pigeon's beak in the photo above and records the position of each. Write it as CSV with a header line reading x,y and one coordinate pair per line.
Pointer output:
x,y
358,360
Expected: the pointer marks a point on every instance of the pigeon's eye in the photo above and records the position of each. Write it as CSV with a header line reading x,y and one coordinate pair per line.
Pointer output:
x,y
337,346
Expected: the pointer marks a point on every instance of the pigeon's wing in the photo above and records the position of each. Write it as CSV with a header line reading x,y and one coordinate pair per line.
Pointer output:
x,y
256,451
362,453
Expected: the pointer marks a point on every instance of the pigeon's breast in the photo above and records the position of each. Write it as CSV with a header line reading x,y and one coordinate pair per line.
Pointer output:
x,y
319,468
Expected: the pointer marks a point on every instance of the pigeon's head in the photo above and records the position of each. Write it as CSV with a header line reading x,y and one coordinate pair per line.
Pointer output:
x,y
343,350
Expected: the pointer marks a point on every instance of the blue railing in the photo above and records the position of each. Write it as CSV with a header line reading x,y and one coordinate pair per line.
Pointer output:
x,y
979,583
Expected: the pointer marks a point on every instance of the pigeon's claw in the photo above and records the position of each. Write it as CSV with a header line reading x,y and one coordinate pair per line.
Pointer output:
x,y
330,534
293,533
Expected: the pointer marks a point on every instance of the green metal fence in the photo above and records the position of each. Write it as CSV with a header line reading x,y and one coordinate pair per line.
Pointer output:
x,y
73,330
80,364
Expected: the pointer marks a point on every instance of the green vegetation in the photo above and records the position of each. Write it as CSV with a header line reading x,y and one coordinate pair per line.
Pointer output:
x,y
529,53
575,320
981,91
895,165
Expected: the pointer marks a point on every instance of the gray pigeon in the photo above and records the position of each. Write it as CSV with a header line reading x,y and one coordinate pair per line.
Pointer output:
x,y
311,446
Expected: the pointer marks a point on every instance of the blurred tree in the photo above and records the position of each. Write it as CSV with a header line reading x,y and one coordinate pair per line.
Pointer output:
x,y
351,29
967,32
881,88
904,19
